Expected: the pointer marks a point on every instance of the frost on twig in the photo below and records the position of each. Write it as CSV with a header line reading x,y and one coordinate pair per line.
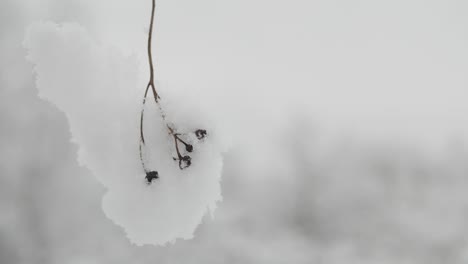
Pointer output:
x,y
184,159
90,82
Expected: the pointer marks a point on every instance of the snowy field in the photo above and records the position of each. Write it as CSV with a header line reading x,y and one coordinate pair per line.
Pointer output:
x,y
338,132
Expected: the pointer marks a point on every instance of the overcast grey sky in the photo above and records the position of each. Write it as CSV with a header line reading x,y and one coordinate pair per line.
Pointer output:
x,y
378,67
391,63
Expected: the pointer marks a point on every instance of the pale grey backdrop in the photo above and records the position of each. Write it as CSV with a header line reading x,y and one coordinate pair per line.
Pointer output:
x,y
390,75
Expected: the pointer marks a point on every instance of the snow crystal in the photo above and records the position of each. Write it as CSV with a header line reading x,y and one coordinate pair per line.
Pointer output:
x,y
100,91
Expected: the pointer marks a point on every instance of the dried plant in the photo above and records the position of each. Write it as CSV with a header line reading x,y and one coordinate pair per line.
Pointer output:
x,y
184,159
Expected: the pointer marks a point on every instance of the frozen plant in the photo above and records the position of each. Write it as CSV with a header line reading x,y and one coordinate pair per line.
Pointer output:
x,y
184,159
93,85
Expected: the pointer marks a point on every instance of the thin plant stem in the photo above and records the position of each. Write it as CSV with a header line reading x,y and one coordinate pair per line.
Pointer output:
x,y
156,96
150,85
186,160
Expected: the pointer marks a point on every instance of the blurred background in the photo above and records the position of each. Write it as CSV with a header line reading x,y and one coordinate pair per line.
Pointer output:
x,y
361,155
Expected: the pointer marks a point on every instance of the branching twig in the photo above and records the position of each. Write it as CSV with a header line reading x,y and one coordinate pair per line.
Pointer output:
x,y
150,84
184,161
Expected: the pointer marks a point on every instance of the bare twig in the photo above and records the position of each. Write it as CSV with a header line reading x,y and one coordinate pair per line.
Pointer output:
x,y
150,85
184,161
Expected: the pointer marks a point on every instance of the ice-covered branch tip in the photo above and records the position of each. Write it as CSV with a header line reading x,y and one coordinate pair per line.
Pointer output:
x,y
174,204
184,159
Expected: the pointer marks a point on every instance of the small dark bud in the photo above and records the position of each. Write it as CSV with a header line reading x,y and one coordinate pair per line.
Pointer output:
x,y
151,175
189,148
186,161
200,133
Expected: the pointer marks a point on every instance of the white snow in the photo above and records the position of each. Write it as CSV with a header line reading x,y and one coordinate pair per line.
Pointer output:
x,y
100,91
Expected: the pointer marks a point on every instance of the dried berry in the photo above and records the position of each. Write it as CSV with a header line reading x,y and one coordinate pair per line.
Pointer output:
x,y
200,133
151,175
189,148
185,162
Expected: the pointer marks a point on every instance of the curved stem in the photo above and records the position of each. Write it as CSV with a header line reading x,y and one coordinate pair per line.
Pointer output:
x,y
150,84
171,131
